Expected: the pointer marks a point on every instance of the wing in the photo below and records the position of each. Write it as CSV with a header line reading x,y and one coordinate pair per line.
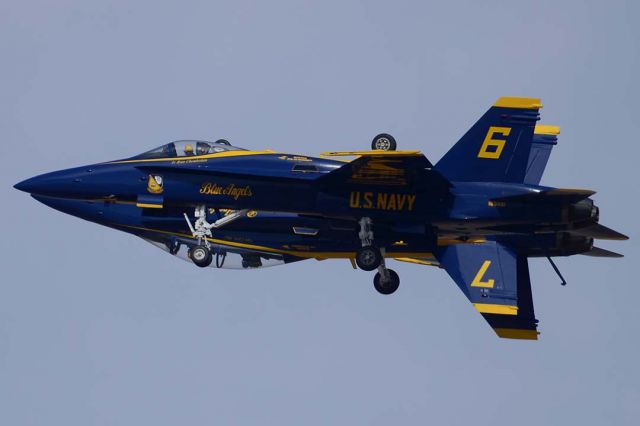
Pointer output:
x,y
496,281
385,168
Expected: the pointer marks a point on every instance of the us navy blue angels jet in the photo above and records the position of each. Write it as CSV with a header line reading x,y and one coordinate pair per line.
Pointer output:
x,y
479,213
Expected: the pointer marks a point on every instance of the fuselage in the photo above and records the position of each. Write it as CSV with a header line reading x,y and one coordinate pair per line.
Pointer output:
x,y
479,213
299,213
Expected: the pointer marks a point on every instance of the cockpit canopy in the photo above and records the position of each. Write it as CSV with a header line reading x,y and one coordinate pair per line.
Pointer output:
x,y
189,148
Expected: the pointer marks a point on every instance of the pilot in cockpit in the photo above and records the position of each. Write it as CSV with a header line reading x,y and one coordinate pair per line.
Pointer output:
x,y
188,150
202,148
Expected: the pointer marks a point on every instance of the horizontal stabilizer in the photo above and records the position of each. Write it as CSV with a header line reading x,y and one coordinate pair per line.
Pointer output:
x,y
599,232
496,280
600,252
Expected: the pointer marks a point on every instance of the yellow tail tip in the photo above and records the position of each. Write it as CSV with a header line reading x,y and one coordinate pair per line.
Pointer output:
x,y
515,333
543,129
513,102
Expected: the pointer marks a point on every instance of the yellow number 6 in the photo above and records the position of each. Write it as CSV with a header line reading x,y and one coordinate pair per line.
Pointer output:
x,y
498,144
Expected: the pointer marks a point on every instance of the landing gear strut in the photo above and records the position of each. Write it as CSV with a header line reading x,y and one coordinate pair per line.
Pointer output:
x,y
369,257
201,253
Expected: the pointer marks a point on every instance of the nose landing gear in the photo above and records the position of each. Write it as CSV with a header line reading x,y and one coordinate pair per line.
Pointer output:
x,y
201,253
201,256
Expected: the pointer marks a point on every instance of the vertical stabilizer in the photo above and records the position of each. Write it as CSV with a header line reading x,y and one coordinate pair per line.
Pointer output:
x,y
497,147
544,139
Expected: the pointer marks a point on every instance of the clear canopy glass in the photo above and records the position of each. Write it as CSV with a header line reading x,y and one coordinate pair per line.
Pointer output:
x,y
189,148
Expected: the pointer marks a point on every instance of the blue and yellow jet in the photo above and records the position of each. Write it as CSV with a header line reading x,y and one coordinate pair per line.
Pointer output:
x,y
479,213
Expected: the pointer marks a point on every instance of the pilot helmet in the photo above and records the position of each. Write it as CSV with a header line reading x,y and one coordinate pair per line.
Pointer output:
x,y
188,149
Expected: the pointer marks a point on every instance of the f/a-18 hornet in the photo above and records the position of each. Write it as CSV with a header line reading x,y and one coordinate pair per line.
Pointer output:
x,y
479,213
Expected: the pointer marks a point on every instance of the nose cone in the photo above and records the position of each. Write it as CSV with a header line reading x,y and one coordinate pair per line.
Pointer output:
x,y
70,183
52,184
32,185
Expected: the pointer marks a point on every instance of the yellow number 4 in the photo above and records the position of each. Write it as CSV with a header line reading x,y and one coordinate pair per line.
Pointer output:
x,y
496,144
477,281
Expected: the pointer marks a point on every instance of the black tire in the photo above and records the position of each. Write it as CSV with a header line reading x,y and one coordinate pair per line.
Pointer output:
x,y
368,258
223,142
174,247
389,286
250,261
384,142
201,256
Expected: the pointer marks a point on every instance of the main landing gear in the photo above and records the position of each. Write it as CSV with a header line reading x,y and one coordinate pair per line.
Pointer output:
x,y
369,257
388,284
201,254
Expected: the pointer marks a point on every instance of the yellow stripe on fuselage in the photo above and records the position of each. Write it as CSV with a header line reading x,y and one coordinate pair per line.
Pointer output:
x,y
416,261
376,153
451,241
148,206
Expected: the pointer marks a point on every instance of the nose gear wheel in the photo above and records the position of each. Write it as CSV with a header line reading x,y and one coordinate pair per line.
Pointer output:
x,y
201,256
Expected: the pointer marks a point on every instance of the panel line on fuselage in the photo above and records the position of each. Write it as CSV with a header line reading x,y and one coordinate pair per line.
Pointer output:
x,y
303,254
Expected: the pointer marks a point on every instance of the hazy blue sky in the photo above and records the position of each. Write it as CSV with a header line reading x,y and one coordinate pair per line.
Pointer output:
x,y
98,327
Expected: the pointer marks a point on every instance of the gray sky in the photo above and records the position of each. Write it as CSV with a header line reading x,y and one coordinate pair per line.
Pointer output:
x,y
98,327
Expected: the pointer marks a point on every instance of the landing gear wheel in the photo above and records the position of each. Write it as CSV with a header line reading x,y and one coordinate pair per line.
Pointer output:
x,y
201,256
173,247
389,285
368,258
384,142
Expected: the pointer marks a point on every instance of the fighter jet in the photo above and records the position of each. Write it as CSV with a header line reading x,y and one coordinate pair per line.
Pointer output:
x,y
479,213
